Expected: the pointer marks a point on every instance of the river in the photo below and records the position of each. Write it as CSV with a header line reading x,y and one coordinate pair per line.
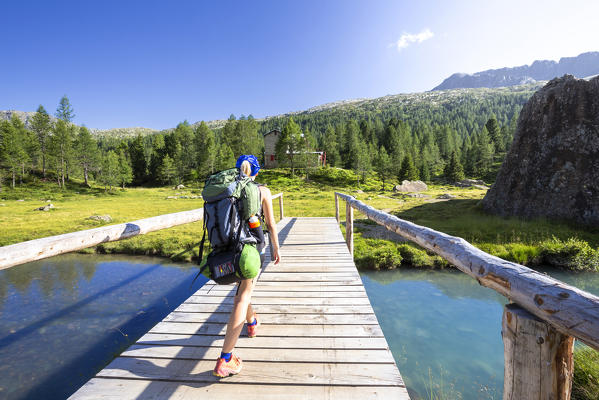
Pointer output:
x,y
444,329
64,318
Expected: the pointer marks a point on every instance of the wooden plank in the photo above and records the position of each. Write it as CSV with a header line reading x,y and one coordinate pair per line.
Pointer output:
x,y
208,328
144,389
256,373
570,310
250,354
282,300
282,318
257,295
359,343
278,309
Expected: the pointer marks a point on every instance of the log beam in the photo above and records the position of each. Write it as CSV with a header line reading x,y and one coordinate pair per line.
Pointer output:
x,y
538,358
349,228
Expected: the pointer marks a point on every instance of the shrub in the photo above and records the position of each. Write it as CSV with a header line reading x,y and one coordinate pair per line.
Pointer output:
x,y
375,254
414,257
573,254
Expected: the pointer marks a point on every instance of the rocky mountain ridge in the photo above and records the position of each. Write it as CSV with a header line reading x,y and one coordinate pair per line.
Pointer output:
x,y
581,66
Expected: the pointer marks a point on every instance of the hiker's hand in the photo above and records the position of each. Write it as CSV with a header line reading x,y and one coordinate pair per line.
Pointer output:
x,y
277,257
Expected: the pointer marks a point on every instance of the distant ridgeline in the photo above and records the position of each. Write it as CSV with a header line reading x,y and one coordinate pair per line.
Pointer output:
x,y
405,136
582,66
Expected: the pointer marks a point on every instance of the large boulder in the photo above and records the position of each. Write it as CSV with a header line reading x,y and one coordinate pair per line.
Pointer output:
x,y
552,168
411,186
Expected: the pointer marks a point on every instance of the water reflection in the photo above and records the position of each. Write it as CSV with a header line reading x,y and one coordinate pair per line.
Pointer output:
x,y
444,329
63,319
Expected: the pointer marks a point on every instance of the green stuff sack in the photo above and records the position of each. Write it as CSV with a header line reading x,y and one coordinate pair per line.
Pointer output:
x,y
249,262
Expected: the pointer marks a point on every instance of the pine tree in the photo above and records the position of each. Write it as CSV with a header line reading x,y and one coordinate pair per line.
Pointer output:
x,y
87,153
27,142
310,160
41,126
425,172
207,153
330,146
158,154
288,144
225,159
484,153
494,132
11,149
167,171
408,170
125,171
139,164
454,172
382,165
64,111
61,145
109,173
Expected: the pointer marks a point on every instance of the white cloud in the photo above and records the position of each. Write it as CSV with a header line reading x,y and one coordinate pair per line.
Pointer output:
x,y
408,38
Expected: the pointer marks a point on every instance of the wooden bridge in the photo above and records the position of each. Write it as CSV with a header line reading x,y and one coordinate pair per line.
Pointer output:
x,y
319,336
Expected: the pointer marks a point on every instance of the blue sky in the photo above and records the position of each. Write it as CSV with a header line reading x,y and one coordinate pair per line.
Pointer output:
x,y
154,64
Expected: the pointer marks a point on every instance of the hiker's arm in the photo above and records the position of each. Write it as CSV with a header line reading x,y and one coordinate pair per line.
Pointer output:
x,y
269,218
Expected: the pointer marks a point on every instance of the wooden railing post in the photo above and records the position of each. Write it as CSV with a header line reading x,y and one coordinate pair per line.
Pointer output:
x,y
281,213
538,359
337,207
349,227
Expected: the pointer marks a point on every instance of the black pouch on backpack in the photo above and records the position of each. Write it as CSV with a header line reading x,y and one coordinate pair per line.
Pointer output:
x,y
224,266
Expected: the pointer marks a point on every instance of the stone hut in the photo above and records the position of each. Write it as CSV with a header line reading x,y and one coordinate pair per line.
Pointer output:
x,y
270,141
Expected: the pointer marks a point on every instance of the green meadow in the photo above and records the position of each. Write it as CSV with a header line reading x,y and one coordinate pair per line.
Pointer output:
x,y
536,242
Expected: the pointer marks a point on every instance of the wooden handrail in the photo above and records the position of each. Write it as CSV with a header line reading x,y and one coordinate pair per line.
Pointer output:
x,y
570,310
280,197
38,249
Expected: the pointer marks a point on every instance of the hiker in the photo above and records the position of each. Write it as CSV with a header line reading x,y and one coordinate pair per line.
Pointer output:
x,y
227,363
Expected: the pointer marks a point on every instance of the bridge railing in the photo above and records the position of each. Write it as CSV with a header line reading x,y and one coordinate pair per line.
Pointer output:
x,y
32,250
537,330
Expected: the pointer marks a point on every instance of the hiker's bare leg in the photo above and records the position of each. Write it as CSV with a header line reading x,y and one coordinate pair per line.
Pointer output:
x,y
236,320
249,315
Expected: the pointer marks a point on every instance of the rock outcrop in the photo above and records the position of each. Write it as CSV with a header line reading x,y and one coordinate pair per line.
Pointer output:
x,y
552,168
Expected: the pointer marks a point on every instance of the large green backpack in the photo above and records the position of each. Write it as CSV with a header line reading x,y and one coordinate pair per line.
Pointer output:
x,y
230,199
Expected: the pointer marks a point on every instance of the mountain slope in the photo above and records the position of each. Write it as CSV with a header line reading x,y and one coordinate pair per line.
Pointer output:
x,y
581,66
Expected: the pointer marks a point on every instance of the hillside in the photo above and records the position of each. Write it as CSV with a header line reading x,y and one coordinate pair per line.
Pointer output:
x,y
438,105
581,66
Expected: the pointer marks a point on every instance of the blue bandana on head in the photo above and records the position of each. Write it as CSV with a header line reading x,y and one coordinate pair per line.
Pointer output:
x,y
252,160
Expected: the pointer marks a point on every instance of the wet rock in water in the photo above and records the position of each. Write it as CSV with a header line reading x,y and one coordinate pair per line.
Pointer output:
x,y
552,168
47,207
446,196
103,218
411,186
